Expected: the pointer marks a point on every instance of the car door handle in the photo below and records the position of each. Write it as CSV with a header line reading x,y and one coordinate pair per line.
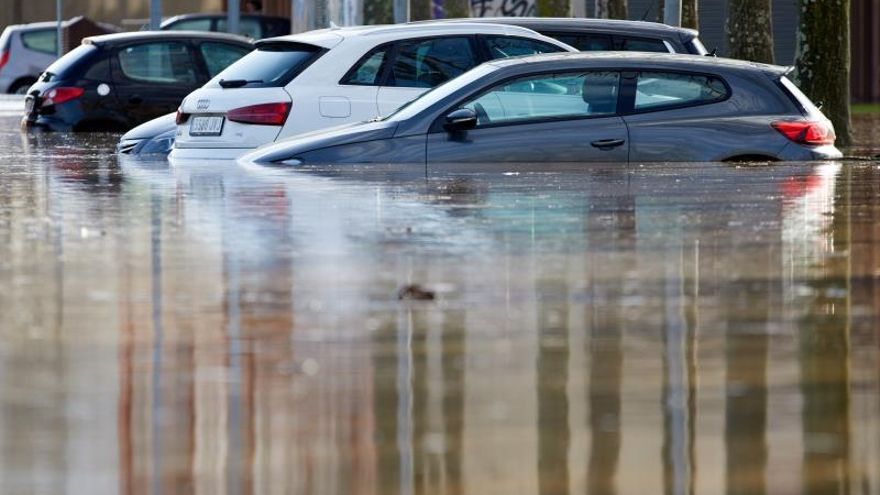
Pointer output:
x,y
607,144
135,100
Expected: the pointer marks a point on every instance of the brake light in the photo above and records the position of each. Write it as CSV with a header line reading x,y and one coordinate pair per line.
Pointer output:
x,y
60,95
806,131
4,58
263,114
181,117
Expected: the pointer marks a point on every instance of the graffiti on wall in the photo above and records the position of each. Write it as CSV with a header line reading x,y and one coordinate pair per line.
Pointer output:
x,y
502,8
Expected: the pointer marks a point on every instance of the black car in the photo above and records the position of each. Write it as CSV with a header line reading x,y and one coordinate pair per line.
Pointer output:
x,y
252,26
117,81
589,35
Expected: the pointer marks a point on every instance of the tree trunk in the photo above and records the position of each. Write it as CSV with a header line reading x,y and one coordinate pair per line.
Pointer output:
x,y
552,8
456,8
611,9
689,17
822,60
749,30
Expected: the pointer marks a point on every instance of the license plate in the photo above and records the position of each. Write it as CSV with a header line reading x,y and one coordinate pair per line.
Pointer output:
x,y
206,126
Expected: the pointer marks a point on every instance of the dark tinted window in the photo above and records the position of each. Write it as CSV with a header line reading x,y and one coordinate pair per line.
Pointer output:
x,y
428,63
162,62
507,46
642,45
71,63
247,26
368,70
219,56
586,43
656,90
272,64
548,96
43,41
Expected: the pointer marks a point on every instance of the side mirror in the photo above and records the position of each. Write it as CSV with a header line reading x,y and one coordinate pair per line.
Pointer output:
x,y
460,120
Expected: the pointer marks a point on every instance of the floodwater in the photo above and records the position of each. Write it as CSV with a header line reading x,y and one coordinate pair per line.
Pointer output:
x,y
616,329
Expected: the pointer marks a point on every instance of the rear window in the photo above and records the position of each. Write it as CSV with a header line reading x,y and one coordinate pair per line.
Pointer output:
x,y
71,64
585,42
270,65
43,41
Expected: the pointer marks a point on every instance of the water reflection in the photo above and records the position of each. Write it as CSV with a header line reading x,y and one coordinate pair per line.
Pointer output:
x,y
700,328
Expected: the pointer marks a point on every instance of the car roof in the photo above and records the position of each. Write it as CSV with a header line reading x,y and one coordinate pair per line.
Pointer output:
x,y
115,38
603,25
220,15
327,38
635,60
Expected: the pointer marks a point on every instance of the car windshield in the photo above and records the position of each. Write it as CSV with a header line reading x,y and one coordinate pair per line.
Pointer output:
x,y
270,65
438,93
65,66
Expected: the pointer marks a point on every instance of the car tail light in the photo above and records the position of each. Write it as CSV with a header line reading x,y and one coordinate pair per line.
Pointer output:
x,y
806,131
181,117
4,58
264,114
60,95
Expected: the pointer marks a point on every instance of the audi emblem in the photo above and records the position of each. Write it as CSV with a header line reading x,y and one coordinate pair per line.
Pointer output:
x,y
203,104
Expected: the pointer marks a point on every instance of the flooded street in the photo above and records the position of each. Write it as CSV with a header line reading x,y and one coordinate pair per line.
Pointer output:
x,y
613,329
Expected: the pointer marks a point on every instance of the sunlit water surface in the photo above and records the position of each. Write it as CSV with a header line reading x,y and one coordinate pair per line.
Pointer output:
x,y
617,329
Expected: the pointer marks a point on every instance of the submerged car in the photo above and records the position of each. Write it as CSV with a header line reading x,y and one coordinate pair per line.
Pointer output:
x,y
300,83
117,81
251,25
607,34
584,107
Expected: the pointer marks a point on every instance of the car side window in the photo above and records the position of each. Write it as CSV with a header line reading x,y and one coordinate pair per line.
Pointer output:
x,y
191,25
509,46
43,41
586,43
429,63
655,90
163,62
247,26
368,70
548,96
219,56
641,45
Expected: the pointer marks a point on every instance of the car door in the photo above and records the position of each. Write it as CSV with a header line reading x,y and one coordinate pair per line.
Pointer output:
x,y
561,117
152,77
421,64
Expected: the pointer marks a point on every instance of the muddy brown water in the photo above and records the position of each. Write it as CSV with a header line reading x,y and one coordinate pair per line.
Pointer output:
x,y
619,329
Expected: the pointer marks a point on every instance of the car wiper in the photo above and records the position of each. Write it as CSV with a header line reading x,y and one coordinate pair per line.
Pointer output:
x,y
237,83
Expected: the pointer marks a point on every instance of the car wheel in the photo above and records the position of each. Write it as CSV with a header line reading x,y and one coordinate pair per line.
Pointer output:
x,y
21,86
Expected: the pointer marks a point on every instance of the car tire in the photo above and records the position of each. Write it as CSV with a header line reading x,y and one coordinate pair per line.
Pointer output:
x,y
21,86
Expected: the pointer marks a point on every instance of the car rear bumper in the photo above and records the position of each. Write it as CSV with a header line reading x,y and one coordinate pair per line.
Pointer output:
x,y
798,152
45,124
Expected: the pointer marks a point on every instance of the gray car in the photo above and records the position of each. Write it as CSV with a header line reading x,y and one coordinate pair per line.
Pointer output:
x,y
607,34
25,51
585,107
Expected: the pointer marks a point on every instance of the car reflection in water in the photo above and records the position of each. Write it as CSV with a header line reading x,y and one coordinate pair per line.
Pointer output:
x,y
608,329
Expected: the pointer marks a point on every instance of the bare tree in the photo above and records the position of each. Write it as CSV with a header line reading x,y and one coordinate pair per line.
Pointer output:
x,y
749,30
553,8
822,60
611,9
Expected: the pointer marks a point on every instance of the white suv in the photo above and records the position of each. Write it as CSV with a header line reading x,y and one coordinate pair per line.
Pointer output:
x,y
295,84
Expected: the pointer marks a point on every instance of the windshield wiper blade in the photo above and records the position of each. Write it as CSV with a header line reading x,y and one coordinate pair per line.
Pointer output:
x,y
237,83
